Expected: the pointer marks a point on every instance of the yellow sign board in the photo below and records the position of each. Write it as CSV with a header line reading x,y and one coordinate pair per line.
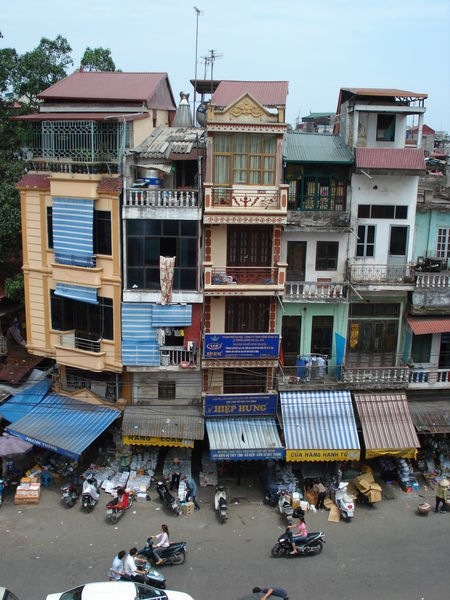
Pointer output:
x,y
321,455
398,452
145,440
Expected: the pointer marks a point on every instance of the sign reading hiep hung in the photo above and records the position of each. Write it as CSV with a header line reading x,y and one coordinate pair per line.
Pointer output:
x,y
240,405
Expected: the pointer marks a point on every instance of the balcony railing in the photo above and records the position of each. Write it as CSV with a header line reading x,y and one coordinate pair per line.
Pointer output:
x,y
315,291
246,198
376,375
187,198
244,275
433,281
419,377
71,340
175,355
379,274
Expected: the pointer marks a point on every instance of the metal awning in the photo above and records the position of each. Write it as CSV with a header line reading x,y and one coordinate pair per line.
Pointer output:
x,y
244,439
63,424
162,426
319,425
387,425
23,402
432,416
425,326
77,292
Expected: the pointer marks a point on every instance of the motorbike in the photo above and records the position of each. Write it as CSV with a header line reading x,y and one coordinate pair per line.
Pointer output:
x,y
119,505
151,575
89,494
344,501
311,545
2,485
175,554
284,506
167,498
220,503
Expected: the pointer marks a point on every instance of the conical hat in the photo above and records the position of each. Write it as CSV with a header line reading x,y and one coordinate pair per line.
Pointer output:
x,y
444,483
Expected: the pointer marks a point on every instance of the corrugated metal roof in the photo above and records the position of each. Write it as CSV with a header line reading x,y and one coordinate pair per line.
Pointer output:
x,y
410,159
180,422
165,141
386,422
24,401
313,147
240,435
431,417
424,326
384,92
107,86
267,93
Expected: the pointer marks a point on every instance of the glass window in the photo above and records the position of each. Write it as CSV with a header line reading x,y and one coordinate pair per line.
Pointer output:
x,y
135,251
102,232
327,256
421,348
363,211
401,212
136,226
49,226
443,243
385,128
366,240
74,594
171,227
245,158
145,592
382,211
153,227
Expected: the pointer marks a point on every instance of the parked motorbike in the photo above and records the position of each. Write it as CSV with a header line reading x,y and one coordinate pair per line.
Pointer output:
x,y
69,493
151,575
167,498
271,496
119,505
311,545
285,506
175,554
220,503
344,501
2,485
89,494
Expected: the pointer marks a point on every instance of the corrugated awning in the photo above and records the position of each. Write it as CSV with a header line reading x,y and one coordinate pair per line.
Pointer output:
x,y
244,439
432,416
164,423
22,403
73,226
387,425
424,326
319,425
63,424
77,292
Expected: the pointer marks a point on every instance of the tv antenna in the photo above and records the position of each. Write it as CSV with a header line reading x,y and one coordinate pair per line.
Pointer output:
x,y
198,12
209,60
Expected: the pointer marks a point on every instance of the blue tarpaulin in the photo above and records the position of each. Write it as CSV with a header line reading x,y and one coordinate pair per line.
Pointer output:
x,y
22,403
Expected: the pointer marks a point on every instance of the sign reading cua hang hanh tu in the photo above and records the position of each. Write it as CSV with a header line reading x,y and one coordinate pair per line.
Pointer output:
x,y
241,345
146,440
240,405
321,455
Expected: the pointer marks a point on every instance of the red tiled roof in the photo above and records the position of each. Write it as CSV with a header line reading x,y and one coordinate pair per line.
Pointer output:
x,y
425,130
424,326
110,185
127,87
32,180
411,159
267,93
81,116
384,92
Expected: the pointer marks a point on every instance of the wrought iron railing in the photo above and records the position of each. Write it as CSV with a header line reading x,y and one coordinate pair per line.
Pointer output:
x,y
363,273
175,355
187,198
108,390
247,198
244,275
71,340
316,291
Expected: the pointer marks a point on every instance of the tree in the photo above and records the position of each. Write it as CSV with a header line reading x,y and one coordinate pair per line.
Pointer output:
x,y
97,59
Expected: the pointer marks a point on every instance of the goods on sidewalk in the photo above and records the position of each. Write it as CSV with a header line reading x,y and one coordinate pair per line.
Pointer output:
x,y
28,491
208,475
366,484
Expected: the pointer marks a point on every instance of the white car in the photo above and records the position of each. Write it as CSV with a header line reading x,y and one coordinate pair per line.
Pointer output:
x,y
7,595
118,590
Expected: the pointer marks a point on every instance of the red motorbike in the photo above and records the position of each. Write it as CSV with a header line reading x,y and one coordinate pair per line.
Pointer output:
x,y
117,507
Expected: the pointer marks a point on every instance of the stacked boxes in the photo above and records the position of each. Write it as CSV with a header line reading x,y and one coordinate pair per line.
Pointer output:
x,y
367,485
188,508
28,492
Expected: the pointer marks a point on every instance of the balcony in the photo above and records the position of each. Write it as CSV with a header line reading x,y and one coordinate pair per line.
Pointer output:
x,y
316,291
260,281
423,378
373,274
174,356
246,205
161,198
431,293
375,377
78,352
433,281
73,274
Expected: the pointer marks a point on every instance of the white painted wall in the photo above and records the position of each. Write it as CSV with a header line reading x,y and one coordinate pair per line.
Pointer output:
x,y
400,132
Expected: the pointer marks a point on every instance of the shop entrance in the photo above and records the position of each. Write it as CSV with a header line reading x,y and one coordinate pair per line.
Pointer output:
x,y
322,335
290,339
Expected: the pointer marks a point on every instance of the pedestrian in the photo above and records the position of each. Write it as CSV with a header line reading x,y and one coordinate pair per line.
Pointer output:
x,y
175,473
272,592
163,538
321,493
116,570
191,488
441,495
131,572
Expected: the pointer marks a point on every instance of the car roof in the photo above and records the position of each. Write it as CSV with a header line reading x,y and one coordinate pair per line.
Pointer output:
x,y
109,590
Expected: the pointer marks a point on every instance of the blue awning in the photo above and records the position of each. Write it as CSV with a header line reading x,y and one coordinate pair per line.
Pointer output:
x,y
63,424
172,315
244,439
73,226
21,403
319,425
77,292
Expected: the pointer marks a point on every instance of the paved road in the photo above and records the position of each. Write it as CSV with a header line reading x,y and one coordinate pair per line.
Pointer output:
x,y
386,552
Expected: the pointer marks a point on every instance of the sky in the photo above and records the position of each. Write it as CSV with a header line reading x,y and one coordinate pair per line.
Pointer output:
x,y
318,48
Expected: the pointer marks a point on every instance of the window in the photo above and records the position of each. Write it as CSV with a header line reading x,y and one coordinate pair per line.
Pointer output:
x,y
322,335
246,315
166,390
102,232
244,381
74,594
145,592
322,192
366,240
147,240
327,256
49,226
61,312
443,243
88,320
399,241
246,158
382,211
421,348
249,246
385,128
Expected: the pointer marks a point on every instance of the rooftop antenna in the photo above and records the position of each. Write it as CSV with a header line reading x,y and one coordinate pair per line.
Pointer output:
x,y
211,58
198,12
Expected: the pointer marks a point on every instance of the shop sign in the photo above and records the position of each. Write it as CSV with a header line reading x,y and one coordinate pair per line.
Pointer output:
x,y
241,345
146,440
46,445
238,405
321,455
248,454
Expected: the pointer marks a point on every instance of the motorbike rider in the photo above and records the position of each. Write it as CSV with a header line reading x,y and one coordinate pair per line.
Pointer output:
x,y
116,570
89,487
298,532
131,572
163,538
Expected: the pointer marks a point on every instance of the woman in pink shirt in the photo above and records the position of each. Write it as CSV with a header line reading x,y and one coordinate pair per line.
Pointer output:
x,y
163,538
298,533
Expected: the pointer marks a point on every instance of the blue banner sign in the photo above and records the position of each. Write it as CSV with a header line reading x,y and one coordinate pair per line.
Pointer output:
x,y
238,405
241,345
251,454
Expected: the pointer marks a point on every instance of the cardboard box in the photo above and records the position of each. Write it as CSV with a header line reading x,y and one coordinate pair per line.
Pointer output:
x,y
188,508
311,497
328,503
335,515
374,496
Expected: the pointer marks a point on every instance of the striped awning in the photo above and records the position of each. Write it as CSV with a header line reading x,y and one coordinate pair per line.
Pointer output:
x,y
139,342
162,426
172,315
73,226
319,425
430,416
23,402
63,424
387,425
244,439
77,292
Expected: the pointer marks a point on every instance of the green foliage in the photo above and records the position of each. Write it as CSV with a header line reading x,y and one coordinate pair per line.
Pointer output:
x,y
97,59
14,288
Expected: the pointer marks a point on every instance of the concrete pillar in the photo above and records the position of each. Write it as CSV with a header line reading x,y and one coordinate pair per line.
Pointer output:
x,y
355,127
419,130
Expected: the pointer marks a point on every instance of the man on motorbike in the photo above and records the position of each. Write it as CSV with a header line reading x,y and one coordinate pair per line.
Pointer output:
x,y
131,572
116,570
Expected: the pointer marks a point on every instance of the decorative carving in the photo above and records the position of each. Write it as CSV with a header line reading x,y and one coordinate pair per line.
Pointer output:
x,y
244,219
220,364
246,107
